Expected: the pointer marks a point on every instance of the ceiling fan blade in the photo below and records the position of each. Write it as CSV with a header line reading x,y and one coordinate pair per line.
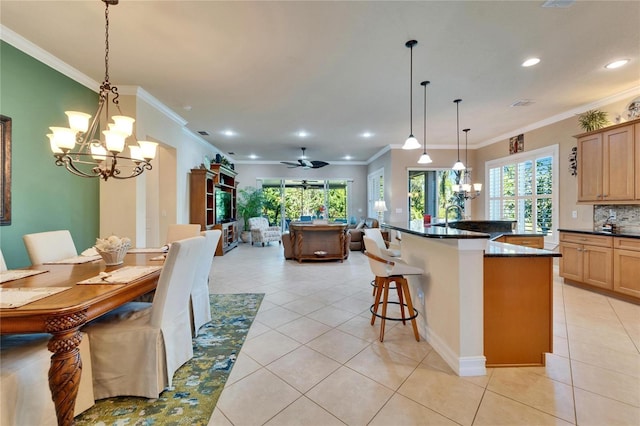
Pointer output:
x,y
317,164
290,164
306,163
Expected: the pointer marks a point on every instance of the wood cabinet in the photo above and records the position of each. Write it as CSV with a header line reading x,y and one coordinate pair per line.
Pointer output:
x,y
535,241
607,165
636,133
202,201
626,266
229,237
206,205
518,314
587,259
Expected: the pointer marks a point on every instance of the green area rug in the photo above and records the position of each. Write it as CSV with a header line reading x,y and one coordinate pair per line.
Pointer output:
x,y
198,383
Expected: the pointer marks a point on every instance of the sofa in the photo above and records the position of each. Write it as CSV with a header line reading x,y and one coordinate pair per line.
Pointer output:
x,y
357,232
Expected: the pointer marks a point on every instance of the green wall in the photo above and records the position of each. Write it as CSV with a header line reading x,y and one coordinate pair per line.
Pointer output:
x,y
45,197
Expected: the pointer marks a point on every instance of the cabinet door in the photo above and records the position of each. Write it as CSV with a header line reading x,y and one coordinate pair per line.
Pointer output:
x,y
626,272
636,136
590,168
571,261
597,266
618,177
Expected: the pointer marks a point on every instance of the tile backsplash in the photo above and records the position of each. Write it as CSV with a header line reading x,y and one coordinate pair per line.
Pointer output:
x,y
627,217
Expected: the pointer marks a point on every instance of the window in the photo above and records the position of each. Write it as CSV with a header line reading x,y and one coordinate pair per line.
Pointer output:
x,y
523,187
430,192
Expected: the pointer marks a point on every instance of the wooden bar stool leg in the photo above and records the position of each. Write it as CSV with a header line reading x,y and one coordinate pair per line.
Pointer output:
x,y
376,302
384,308
407,294
400,281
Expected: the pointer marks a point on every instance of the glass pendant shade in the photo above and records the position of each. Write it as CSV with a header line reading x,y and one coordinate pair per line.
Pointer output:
x,y
114,140
123,124
477,187
458,166
411,143
63,137
148,149
78,121
424,159
53,145
136,152
98,152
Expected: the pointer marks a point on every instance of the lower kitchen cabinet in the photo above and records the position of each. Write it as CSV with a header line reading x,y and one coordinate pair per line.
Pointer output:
x,y
626,266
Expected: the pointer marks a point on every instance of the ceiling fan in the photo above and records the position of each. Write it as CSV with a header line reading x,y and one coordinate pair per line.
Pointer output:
x,y
304,163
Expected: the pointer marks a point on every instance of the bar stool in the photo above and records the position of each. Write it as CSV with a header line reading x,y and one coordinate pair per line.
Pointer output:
x,y
387,271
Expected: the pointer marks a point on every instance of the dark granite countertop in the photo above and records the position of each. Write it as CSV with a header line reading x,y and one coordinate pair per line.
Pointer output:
x,y
496,249
435,231
609,234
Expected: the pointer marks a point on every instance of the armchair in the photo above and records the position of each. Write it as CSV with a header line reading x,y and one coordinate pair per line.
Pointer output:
x,y
261,232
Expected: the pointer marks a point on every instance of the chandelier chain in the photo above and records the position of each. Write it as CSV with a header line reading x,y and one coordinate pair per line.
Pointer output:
x,y
106,43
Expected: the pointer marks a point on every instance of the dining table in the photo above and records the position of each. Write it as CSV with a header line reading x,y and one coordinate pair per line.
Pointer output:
x,y
76,293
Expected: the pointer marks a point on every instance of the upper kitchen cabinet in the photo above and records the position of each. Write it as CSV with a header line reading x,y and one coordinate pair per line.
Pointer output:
x,y
608,167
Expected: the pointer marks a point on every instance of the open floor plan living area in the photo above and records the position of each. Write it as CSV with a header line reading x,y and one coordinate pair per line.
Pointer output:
x,y
312,357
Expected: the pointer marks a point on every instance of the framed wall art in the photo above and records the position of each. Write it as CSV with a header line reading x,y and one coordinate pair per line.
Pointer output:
x,y
5,176
516,144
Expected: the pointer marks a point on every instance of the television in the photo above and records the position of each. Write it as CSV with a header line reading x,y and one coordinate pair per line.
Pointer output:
x,y
223,206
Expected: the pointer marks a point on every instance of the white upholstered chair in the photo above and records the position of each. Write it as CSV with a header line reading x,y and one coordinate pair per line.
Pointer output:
x,y
376,236
387,271
25,398
138,347
261,232
200,304
3,264
49,246
177,231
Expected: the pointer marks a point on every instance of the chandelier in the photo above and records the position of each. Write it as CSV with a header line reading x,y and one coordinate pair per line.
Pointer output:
x,y
466,189
79,147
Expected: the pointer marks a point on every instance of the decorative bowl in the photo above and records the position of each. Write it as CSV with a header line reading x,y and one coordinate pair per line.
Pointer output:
x,y
114,257
320,253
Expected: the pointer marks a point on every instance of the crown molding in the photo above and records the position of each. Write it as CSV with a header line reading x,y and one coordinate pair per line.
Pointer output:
x,y
47,58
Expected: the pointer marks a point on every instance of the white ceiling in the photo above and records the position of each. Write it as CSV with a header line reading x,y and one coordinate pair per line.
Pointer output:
x,y
337,69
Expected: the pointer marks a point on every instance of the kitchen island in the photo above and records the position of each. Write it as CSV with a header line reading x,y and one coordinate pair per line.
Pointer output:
x,y
450,296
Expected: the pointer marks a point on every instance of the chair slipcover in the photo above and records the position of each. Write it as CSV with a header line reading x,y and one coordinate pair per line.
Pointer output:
x,y
138,347
177,232
49,246
376,236
25,398
200,304
3,265
261,232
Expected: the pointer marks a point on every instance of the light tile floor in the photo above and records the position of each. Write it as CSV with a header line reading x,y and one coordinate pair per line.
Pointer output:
x,y
312,358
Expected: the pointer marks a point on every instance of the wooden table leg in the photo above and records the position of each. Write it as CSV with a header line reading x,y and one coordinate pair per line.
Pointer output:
x,y
66,365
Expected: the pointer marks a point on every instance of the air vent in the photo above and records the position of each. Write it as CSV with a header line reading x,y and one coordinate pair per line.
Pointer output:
x,y
203,132
231,153
523,102
558,3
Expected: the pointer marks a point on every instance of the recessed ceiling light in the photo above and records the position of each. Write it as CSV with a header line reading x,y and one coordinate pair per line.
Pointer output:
x,y
253,156
558,3
302,134
531,62
347,157
367,134
228,132
616,64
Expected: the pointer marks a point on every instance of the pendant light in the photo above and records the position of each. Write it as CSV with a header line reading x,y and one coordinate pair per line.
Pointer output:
x,y
411,142
458,166
424,158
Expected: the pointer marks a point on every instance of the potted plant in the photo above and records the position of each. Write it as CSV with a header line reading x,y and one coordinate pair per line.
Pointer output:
x,y
593,120
249,203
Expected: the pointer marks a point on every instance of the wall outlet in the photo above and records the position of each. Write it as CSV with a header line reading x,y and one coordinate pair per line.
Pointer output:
x,y
574,214
612,214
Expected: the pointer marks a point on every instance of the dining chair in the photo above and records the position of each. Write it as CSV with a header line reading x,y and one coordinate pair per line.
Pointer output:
x,y
3,264
25,398
376,235
387,271
200,304
49,246
178,231
138,347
